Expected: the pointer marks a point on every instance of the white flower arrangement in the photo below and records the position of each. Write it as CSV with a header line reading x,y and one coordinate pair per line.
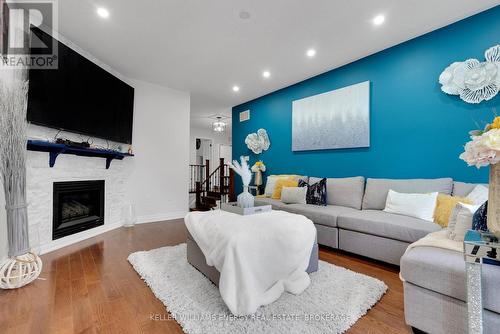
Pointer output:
x,y
472,80
484,148
259,167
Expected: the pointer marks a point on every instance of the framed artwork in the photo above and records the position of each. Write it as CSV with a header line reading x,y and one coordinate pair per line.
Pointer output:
x,y
333,120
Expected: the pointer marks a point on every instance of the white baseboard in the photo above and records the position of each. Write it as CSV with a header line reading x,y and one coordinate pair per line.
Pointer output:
x,y
161,217
72,239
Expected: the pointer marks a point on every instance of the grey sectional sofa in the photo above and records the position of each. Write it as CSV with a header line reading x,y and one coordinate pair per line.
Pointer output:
x,y
435,284
435,288
435,292
354,219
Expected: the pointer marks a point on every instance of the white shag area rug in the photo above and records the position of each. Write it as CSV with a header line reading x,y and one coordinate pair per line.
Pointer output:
x,y
334,301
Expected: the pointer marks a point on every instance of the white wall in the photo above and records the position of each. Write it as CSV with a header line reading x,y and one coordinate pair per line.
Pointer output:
x,y
158,183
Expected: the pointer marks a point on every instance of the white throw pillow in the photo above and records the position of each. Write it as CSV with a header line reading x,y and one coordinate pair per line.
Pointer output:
x,y
294,195
461,220
414,205
479,195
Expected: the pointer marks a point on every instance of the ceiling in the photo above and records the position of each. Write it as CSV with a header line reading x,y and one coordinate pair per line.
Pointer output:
x,y
206,48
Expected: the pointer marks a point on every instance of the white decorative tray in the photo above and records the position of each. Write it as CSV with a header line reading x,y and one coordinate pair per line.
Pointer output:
x,y
234,208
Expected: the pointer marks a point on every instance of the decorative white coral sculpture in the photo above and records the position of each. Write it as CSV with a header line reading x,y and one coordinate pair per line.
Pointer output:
x,y
473,80
242,170
258,142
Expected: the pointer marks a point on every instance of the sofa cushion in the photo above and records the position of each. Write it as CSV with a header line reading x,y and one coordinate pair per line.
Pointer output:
x,y
321,215
479,195
316,192
294,195
463,189
443,271
275,203
280,183
388,225
271,181
377,189
347,191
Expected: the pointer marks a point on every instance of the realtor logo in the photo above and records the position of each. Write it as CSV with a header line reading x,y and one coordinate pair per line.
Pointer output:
x,y
26,27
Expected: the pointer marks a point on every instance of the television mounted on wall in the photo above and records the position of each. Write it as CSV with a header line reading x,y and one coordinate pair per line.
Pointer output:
x,y
80,97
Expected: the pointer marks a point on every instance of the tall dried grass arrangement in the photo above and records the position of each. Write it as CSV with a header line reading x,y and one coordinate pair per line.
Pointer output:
x,y
13,137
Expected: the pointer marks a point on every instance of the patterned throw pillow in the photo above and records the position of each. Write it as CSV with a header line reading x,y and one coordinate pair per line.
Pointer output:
x,y
479,219
316,193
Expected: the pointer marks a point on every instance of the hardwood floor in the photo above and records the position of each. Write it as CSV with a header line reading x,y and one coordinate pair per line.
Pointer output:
x,y
90,287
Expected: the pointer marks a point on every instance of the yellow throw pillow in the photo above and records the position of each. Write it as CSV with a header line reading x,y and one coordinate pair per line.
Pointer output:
x,y
280,183
444,206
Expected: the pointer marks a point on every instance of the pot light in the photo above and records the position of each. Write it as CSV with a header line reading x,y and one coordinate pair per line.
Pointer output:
x,y
311,53
378,20
103,12
236,89
266,74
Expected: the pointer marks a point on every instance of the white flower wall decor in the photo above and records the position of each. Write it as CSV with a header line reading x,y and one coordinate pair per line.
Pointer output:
x,y
472,80
258,142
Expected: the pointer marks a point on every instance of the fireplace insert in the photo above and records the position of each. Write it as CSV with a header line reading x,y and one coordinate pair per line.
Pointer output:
x,y
78,206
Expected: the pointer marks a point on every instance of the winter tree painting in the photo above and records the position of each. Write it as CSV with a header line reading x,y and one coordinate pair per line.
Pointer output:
x,y
332,120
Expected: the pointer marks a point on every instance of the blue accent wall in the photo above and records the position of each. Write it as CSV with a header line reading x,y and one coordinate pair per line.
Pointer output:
x,y
417,131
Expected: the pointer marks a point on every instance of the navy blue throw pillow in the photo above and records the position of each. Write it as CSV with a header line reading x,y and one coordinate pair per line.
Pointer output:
x,y
316,193
480,217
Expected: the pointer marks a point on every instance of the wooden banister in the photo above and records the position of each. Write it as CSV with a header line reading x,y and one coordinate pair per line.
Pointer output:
x,y
222,180
207,175
198,194
218,183
232,196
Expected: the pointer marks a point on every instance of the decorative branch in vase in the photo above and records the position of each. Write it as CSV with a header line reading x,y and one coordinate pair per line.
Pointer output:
x,y
245,199
482,151
23,266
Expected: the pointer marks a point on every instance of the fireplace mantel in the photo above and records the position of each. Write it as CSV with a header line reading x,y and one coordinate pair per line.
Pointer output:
x,y
55,149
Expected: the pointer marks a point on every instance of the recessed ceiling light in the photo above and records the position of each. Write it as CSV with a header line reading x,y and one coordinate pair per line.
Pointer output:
x,y
311,53
378,20
103,12
236,89
266,74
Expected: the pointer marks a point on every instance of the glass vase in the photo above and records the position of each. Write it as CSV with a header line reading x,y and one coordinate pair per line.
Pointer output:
x,y
494,200
128,215
245,199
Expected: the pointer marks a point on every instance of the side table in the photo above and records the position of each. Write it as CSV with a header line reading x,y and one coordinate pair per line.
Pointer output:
x,y
254,188
479,248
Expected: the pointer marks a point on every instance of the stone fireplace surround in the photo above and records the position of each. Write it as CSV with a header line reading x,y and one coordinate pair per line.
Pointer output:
x,y
40,180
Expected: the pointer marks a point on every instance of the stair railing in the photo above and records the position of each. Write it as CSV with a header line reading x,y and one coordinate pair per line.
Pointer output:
x,y
196,173
218,182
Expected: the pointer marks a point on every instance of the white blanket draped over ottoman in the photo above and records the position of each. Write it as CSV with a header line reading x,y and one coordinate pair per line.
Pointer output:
x,y
258,256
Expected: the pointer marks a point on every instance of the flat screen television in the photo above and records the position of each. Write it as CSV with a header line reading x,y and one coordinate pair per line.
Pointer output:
x,y
80,97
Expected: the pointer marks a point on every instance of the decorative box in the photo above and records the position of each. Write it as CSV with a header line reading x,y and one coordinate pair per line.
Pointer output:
x,y
234,208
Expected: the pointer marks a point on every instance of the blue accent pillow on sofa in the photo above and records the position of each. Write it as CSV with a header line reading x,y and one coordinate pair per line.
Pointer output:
x,y
480,217
316,193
